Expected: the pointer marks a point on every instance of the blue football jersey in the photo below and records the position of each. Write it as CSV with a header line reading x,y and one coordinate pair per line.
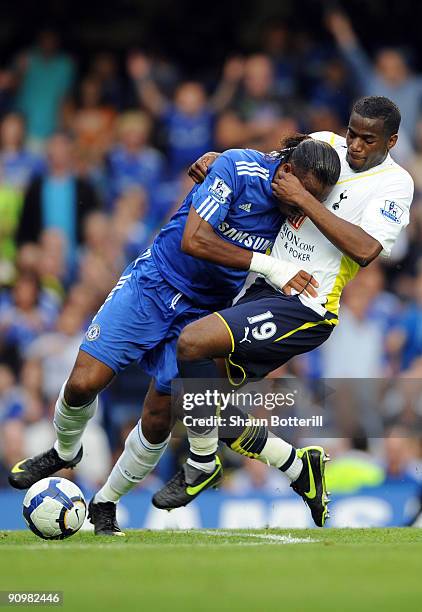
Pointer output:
x,y
236,200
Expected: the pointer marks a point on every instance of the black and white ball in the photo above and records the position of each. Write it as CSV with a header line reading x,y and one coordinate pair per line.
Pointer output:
x,y
54,508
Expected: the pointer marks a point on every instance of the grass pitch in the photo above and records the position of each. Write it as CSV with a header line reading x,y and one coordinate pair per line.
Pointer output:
x,y
254,570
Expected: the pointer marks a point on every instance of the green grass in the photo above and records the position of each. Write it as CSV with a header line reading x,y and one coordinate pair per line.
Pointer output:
x,y
253,571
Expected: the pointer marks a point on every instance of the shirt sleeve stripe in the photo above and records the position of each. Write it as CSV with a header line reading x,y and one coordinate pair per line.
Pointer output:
x,y
242,166
212,211
253,173
250,165
206,209
204,203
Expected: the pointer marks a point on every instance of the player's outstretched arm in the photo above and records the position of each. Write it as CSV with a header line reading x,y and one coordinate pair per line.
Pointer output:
x,y
349,238
200,240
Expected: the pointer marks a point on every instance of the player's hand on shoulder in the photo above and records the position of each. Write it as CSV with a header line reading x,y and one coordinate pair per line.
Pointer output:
x,y
199,169
303,283
288,189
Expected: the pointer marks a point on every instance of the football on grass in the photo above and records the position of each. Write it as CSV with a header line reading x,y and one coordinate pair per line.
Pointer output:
x,y
54,508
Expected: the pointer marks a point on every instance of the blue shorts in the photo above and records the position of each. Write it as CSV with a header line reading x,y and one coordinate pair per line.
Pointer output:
x,y
267,328
141,320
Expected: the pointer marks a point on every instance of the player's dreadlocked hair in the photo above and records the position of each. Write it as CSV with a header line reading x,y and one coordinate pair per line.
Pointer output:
x,y
308,155
379,107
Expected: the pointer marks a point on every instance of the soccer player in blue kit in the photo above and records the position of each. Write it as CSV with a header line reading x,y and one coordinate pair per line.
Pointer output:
x,y
197,264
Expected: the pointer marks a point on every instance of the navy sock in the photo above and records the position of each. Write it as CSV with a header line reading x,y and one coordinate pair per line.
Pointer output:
x,y
200,368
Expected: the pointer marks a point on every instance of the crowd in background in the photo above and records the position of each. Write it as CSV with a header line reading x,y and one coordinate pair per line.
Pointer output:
x,y
93,163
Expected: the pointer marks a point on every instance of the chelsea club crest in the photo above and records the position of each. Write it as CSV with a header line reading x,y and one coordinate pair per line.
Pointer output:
x,y
93,332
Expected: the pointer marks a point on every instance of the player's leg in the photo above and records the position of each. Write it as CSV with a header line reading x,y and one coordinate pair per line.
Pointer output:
x,y
271,319
198,343
148,440
144,447
280,327
134,318
75,406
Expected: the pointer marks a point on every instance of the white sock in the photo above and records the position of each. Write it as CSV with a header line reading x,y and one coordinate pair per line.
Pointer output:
x,y
277,452
138,460
203,446
205,466
70,423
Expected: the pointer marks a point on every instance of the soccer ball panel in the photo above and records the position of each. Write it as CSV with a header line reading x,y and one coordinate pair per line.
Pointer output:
x,y
74,518
54,508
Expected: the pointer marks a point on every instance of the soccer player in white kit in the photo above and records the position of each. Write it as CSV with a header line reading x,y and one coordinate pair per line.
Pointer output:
x,y
360,220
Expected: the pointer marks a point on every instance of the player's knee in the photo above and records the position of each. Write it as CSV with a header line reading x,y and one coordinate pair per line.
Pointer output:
x,y
189,346
156,424
81,388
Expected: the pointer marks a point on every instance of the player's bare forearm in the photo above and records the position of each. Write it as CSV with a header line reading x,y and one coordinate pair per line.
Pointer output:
x,y
349,238
200,240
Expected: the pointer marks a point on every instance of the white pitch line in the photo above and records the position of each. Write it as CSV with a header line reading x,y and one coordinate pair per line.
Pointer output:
x,y
259,538
282,539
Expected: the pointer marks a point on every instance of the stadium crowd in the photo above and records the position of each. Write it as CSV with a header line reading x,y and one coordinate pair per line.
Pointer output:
x,y
93,163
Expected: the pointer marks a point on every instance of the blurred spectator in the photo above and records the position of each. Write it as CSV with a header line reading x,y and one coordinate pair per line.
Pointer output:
x,y
405,341
384,308
12,409
259,101
52,264
102,245
23,317
415,166
402,402
142,64
323,119
17,167
390,76
133,162
354,467
7,90
189,120
59,199
131,224
56,351
257,110
46,76
104,70
355,348
277,44
39,430
400,456
91,122
334,91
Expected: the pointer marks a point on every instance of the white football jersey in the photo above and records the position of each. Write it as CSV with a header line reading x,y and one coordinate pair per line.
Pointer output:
x,y
378,200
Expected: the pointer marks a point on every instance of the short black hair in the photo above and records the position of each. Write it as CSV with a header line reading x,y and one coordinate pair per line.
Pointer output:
x,y
307,154
317,157
379,107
